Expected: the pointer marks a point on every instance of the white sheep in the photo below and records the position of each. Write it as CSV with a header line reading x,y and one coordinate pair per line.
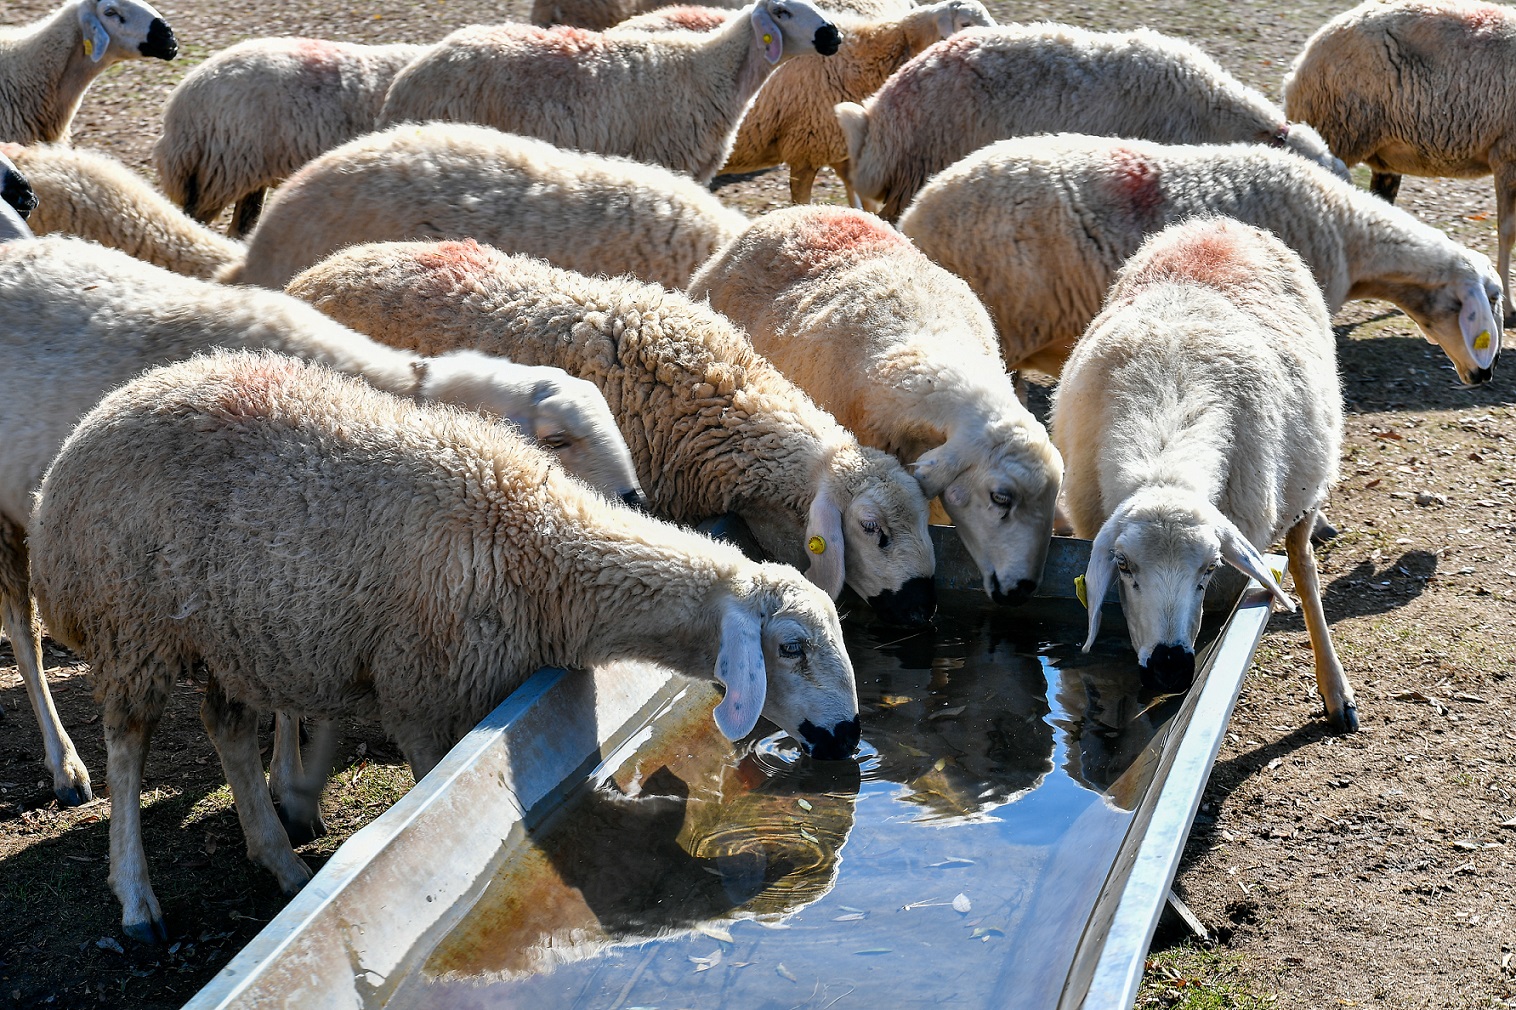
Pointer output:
x,y
672,99
46,66
1412,88
253,113
987,84
311,544
1039,226
582,212
15,190
792,120
713,426
81,319
94,196
901,353
603,15
675,18
1201,419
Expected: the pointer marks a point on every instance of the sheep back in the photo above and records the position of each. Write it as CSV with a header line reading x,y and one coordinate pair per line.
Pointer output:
x,y
580,211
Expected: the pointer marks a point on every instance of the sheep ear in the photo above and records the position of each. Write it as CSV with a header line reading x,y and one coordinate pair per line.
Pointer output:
x,y
823,544
855,127
1237,552
766,29
739,665
1098,575
1481,333
936,469
96,39
947,16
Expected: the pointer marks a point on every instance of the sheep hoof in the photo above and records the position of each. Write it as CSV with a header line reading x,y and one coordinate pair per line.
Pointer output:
x,y
1323,531
1345,721
73,794
301,830
153,932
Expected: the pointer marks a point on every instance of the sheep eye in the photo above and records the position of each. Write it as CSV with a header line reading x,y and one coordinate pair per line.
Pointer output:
x,y
1121,564
554,442
870,527
1001,499
111,12
791,650
781,14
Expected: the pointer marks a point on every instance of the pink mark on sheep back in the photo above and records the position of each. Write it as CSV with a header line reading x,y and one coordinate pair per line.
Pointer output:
x,y
1217,259
320,61
694,19
1482,18
445,267
1135,180
837,233
256,388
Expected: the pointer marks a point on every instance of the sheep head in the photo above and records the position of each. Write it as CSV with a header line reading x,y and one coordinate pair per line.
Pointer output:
x,y
1461,314
782,655
787,28
1000,489
1162,547
125,29
869,507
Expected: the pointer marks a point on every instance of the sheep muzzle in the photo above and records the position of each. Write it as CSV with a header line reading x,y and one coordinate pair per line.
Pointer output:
x,y
827,40
160,43
836,744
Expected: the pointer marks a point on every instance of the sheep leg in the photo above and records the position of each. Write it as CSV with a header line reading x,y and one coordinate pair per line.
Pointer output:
x,y
297,795
70,777
233,728
1342,711
245,214
128,728
802,179
853,199
1505,229
1385,185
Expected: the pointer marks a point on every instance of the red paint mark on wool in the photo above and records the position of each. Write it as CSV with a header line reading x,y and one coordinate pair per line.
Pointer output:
x,y
255,389
1216,258
448,266
320,61
1136,180
838,233
1484,17
695,19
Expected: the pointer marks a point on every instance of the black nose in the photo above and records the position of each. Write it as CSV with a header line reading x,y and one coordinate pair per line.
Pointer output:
x,y
827,39
835,744
1480,376
1014,597
17,192
633,499
160,43
912,605
1170,668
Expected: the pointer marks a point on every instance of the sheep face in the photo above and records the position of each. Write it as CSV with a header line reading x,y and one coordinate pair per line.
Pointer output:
x,y
879,516
782,654
1462,317
565,415
15,190
125,29
1163,552
1001,499
786,28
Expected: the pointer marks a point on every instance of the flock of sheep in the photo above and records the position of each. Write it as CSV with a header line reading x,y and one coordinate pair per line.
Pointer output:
x,y
424,422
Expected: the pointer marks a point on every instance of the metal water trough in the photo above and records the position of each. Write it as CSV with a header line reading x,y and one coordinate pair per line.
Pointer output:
x,y
348,937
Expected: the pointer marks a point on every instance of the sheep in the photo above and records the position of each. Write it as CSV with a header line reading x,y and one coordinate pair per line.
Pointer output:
x,y
902,353
1409,87
227,490
677,18
672,99
713,427
94,196
15,190
453,180
46,66
602,15
792,119
81,319
253,113
987,84
1039,226
1201,419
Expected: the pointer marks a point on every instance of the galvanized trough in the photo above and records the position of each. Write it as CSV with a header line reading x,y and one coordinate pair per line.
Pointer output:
x,y
1008,840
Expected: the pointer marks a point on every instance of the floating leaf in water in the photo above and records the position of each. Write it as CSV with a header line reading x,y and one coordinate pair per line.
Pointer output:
x,y
809,837
706,963
950,862
869,951
962,904
804,804
985,932
926,903
850,908
891,700
915,752
849,917
948,713
784,972
716,931
772,924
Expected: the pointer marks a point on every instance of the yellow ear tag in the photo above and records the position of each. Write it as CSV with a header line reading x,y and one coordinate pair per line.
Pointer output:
x,y
89,48
816,545
1278,574
1080,592
767,38
1482,342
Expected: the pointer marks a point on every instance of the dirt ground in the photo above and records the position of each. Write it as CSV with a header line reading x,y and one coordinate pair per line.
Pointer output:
x,y
1372,870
